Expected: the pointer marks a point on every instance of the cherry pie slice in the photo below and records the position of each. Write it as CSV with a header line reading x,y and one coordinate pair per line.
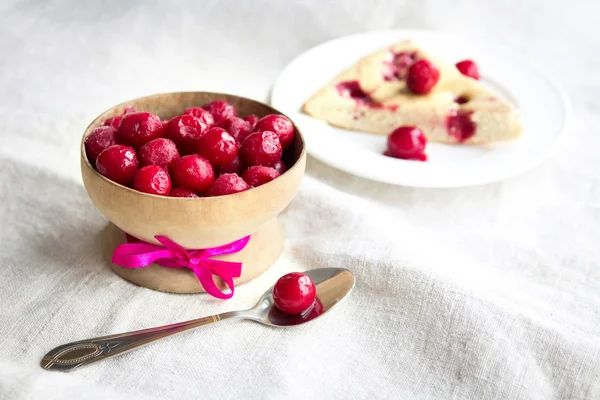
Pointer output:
x,y
372,96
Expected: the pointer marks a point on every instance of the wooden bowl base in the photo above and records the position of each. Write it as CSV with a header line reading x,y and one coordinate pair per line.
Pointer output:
x,y
260,254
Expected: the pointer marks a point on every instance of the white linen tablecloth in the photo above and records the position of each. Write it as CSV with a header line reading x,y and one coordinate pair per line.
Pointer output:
x,y
490,292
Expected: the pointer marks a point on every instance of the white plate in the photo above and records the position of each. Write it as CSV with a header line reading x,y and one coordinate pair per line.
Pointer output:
x,y
544,112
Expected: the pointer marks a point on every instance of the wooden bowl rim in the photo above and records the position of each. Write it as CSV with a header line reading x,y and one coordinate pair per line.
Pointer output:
x,y
215,198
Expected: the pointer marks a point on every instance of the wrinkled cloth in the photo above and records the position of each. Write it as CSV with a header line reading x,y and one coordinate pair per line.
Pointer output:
x,y
489,292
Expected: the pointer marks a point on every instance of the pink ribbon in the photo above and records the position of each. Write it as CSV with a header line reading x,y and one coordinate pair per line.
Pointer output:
x,y
139,254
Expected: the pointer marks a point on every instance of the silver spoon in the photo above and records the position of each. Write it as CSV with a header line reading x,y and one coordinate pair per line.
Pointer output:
x,y
333,284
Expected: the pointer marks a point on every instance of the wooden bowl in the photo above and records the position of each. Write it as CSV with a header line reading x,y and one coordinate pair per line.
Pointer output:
x,y
197,223
192,223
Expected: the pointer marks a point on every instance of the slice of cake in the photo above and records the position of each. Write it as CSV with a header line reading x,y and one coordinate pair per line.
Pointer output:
x,y
372,96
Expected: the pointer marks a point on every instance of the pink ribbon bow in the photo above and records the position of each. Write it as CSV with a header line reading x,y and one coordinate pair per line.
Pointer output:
x,y
138,254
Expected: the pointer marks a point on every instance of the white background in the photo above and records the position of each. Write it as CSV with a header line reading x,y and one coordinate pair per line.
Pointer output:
x,y
484,292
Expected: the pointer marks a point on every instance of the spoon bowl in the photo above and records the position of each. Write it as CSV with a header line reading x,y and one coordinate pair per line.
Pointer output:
x,y
332,284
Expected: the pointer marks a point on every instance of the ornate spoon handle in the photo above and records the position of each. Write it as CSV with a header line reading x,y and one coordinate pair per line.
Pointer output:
x,y
72,355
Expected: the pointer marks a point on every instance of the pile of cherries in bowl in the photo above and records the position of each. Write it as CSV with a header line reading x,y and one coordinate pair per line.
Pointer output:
x,y
207,151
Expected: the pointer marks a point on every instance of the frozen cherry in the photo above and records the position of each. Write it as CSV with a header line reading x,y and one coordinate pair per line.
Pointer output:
x,y
227,184
113,121
203,115
407,142
279,124
138,128
164,124
237,127
98,140
193,172
258,175
181,192
261,148
185,131
422,76
220,109
280,167
253,120
218,146
468,68
234,167
118,163
152,179
294,293
161,152
116,120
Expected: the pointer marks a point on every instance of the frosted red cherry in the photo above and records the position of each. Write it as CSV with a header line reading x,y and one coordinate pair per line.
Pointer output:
x,y
237,127
99,140
138,128
218,146
162,152
181,192
252,120
203,115
258,175
227,184
152,179
294,293
185,131
220,109
261,148
280,167
234,167
193,172
279,124
118,163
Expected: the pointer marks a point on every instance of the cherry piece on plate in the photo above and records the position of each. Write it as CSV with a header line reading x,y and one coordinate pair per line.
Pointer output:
x,y
138,128
261,148
460,125
152,179
220,109
258,175
468,68
279,124
203,115
118,163
227,184
237,127
193,172
253,120
352,90
407,142
116,120
294,293
218,146
181,192
396,68
234,167
161,152
280,167
185,131
99,140
422,76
